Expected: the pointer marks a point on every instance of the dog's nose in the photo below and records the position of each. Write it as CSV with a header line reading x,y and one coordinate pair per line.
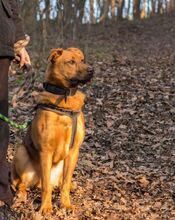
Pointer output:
x,y
90,71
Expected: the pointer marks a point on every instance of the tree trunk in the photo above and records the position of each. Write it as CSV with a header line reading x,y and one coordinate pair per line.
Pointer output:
x,y
113,7
153,3
159,10
120,10
80,8
136,11
92,14
105,11
60,23
128,10
172,6
29,15
68,11
143,11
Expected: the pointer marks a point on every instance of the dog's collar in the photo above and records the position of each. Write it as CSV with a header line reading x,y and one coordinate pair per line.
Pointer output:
x,y
57,90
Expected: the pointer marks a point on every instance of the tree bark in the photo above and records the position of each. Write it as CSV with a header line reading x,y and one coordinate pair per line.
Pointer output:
x,y
105,10
80,8
120,10
153,3
172,6
92,13
29,15
113,7
136,11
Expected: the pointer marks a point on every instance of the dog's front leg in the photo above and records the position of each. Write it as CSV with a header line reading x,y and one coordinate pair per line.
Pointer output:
x,y
69,166
46,164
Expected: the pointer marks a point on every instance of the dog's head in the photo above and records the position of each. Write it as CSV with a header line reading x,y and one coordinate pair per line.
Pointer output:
x,y
68,68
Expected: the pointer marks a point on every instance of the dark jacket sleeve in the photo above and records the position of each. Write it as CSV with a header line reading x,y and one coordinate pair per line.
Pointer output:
x,y
17,20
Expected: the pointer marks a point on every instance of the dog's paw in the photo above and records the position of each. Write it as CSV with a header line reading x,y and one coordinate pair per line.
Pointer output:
x,y
21,197
65,203
46,209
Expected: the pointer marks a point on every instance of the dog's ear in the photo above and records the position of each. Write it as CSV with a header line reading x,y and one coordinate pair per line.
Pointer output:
x,y
54,54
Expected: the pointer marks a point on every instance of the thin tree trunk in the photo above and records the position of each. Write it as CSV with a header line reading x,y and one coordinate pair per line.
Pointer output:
x,y
29,14
148,8
120,10
136,11
153,3
166,6
113,7
143,11
47,11
172,6
128,11
92,13
159,10
81,8
104,11
60,23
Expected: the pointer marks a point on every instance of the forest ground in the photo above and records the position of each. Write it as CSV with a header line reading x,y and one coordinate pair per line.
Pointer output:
x,y
126,168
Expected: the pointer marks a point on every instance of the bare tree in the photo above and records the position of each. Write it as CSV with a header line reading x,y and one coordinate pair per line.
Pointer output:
x,y
136,9
104,10
29,14
80,9
128,10
113,9
153,4
92,14
120,9
159,9
143,10
172,6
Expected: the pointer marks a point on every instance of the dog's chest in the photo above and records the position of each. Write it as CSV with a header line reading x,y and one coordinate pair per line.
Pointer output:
x,y
69,140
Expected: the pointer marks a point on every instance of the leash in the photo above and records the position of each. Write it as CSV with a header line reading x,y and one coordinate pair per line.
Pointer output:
x,y
30,76
14,124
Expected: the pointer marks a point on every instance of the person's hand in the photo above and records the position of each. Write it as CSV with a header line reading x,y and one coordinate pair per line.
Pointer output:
x,y
24,57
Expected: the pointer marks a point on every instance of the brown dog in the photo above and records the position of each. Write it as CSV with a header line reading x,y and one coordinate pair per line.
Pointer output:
x,y
50,151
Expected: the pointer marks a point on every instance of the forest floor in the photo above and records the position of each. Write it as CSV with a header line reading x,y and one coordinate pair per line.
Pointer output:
x,y
126,168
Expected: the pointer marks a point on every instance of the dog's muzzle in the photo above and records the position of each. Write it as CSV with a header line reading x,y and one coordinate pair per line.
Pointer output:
x,y
83,79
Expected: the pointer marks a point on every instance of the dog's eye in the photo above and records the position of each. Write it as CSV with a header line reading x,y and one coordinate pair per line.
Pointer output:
x,y
71,62
83,60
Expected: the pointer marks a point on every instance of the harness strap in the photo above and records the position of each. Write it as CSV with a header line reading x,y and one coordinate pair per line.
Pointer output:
x,y
61,111
59,99
74,130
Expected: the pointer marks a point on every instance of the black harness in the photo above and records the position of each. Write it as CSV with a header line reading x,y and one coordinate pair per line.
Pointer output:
x,y
64,92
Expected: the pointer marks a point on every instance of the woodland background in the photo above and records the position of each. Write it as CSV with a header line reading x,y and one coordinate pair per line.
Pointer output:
x,y
126,168
57,21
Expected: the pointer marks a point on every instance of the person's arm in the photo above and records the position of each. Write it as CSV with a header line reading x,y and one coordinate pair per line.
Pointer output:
x,y
17,20
20,37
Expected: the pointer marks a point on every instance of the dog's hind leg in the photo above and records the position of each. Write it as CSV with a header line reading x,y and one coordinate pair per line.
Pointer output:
x,y
27,179
24,174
